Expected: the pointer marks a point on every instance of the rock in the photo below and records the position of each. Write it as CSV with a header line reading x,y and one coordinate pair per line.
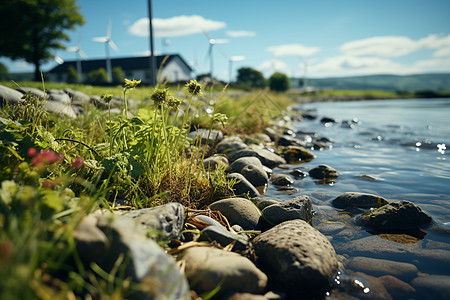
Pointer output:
x,y
59,108
240,163
165,221
272,133
266,157
90,241
265,138
255,175
327,120
297,208
287,140
298,174
223,237
206,136
144,261
296,257
395,216
208,220
262,203
210,268
295,154
230,144
432,287
33,91
239,211
397,288
59,96
362,200
243,187
10,95
77,96
380,267
213,162
281,179
360,286
323,172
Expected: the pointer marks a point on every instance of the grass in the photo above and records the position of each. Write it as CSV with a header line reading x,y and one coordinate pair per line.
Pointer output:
x,y
55,170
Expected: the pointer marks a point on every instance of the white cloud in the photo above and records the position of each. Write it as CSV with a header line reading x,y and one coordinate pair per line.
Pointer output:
x,y
175,26
383,46
269,67
240,33
440,44
293,50
433,65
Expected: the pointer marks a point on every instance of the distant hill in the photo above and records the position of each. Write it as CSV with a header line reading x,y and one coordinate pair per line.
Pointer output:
x,y
407,83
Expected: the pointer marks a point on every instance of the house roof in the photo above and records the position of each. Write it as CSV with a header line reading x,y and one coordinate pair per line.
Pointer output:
x,y
126,63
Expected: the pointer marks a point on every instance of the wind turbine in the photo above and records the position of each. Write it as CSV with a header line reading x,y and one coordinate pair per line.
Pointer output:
x,y
231,59
213,42
80,55
108,43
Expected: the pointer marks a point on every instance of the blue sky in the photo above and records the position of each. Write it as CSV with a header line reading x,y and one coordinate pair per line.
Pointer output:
x,y
322,38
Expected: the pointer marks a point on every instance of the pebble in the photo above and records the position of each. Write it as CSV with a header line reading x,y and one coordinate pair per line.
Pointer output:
x,y
323,172
362,200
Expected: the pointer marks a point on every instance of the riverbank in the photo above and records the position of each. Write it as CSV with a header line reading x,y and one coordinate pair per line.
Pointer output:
x,y
126,213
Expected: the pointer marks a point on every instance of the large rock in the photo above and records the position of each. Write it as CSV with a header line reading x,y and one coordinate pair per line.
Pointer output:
x,y
238,211
323,172
395,216
361,200
432,287
140,258
9,95
206,136
295,154
297,258
256,175
165,221
297,208
210,268
230,144
243,187
91,242
240,163
266,157
380,267
59,96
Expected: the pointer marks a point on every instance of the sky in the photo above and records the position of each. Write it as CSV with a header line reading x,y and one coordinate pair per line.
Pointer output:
x,y
314,38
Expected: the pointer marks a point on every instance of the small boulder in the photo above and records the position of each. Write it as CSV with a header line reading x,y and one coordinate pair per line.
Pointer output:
x,y
165,221
380,267
297,208
256,175
295,154
213,162
323,172
395,216
281,179
239,211
230,144
397,288
432,287
10,95
240,163
206,136
223,237
243,187
267,158
210,268
361,200
297,258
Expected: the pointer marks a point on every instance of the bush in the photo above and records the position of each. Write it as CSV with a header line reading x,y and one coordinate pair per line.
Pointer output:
x,y
72,75
279,82
250,77
117,75
97,77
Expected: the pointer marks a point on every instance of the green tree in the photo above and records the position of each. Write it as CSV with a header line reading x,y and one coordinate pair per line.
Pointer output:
x,y
279,82
4,74
97,77
250,77
72,75
117,75
31,29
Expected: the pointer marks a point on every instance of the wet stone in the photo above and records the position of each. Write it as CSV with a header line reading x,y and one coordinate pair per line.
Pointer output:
x,y
362,200
395,216
281,179
230,144
243,187
297,208
294,154
380,267
323,172
432,286
397,288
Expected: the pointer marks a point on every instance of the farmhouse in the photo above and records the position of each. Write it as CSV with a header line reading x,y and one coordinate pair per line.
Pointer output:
x,y
170,68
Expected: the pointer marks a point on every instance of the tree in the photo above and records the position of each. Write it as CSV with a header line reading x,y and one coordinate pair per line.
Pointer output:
x,y
4,74
97,77
31,29
117,75
72,75
250,77
279,82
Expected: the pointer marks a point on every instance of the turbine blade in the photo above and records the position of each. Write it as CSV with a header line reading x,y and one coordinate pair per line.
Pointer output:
x,y
222,41
237,58
113,45
108,31
207,35
101,39
59,60
82,54
72,49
